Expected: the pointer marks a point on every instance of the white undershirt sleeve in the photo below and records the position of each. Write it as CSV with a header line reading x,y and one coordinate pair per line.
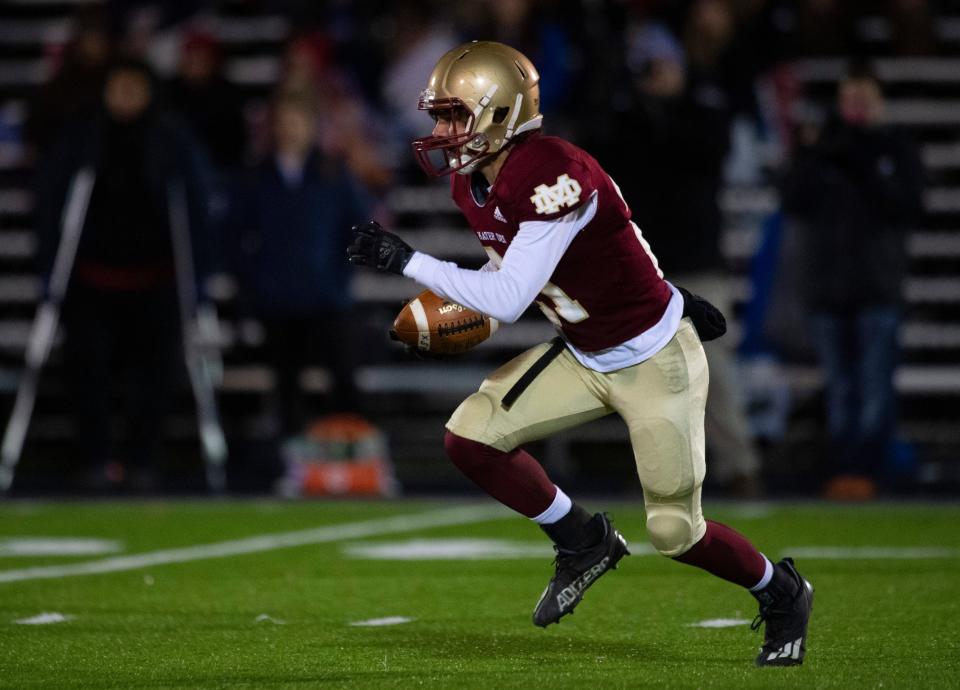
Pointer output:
x,y
527,265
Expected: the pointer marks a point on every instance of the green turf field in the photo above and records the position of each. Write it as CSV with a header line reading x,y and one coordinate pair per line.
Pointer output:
x,y
276,611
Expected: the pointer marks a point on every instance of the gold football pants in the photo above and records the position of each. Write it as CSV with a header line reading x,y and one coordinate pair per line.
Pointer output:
x,y
661,400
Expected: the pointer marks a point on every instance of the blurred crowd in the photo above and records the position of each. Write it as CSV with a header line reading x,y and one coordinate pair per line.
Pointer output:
x,y
675,98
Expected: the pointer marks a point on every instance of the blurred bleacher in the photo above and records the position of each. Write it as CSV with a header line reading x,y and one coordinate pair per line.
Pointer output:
x,y
410,399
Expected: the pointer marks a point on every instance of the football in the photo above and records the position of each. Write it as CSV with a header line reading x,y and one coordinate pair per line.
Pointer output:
x,y
433,324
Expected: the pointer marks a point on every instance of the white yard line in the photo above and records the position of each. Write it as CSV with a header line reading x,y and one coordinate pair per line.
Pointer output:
x,y
58,546
264,542
872,552
461,549
719,623
457,549
44,619
378,622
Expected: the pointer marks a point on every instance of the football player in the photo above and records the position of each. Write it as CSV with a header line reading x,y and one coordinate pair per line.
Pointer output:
x,y
558,233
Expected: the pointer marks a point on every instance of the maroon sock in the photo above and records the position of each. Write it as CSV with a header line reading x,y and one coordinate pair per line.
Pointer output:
x,y
515,479
727,554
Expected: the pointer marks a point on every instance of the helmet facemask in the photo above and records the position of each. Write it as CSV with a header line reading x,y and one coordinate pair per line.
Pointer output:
x,y
460,153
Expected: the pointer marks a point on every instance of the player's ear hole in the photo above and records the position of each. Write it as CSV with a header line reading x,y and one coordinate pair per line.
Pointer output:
x,y
500,114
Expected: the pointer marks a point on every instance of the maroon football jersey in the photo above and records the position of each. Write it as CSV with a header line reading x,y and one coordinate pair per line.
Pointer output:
x,y
606,288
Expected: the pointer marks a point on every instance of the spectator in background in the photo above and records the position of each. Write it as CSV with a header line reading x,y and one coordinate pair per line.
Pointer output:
x,y
210,104
121,311
76,87
345,127
416,39
669,168
291,222
855,191
213,107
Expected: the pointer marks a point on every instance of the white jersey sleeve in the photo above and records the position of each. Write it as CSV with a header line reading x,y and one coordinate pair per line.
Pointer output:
x,y
527,265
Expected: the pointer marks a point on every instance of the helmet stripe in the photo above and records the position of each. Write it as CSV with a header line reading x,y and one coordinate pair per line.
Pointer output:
x,y
514,115
485,100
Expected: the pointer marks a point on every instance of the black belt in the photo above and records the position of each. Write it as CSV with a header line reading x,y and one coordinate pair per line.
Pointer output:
x,y
556,347
707,319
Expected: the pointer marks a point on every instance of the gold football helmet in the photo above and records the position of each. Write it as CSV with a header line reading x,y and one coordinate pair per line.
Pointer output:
x,y
493,89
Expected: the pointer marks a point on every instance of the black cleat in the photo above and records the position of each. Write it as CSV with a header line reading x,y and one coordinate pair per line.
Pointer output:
x,y
576,571
785,607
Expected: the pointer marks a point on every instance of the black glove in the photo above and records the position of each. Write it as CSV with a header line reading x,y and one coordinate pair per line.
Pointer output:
x,y
707,319
375,247
414,351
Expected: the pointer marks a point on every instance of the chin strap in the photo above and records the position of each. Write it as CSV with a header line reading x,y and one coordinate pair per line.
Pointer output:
x,y
486,159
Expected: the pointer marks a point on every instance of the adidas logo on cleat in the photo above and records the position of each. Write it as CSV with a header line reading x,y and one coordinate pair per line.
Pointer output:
x,y
791,650
785,607
576,571
571,594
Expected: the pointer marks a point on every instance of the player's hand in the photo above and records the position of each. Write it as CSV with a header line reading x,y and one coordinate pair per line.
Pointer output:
x,y
413,351
373,246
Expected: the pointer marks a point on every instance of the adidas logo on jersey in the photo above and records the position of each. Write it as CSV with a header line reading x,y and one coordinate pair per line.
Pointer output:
x,y
498,215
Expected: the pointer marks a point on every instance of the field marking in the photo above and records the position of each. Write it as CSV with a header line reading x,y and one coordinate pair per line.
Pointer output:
x,y
447,549
378,622
44,619
719,623
872,552
455,549
58,546
265,542
267,618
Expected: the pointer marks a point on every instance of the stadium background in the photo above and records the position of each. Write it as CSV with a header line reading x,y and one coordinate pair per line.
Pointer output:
x,y
146,587
784,59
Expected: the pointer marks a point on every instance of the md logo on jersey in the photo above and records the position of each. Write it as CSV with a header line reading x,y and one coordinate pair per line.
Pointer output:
x,y
551,198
